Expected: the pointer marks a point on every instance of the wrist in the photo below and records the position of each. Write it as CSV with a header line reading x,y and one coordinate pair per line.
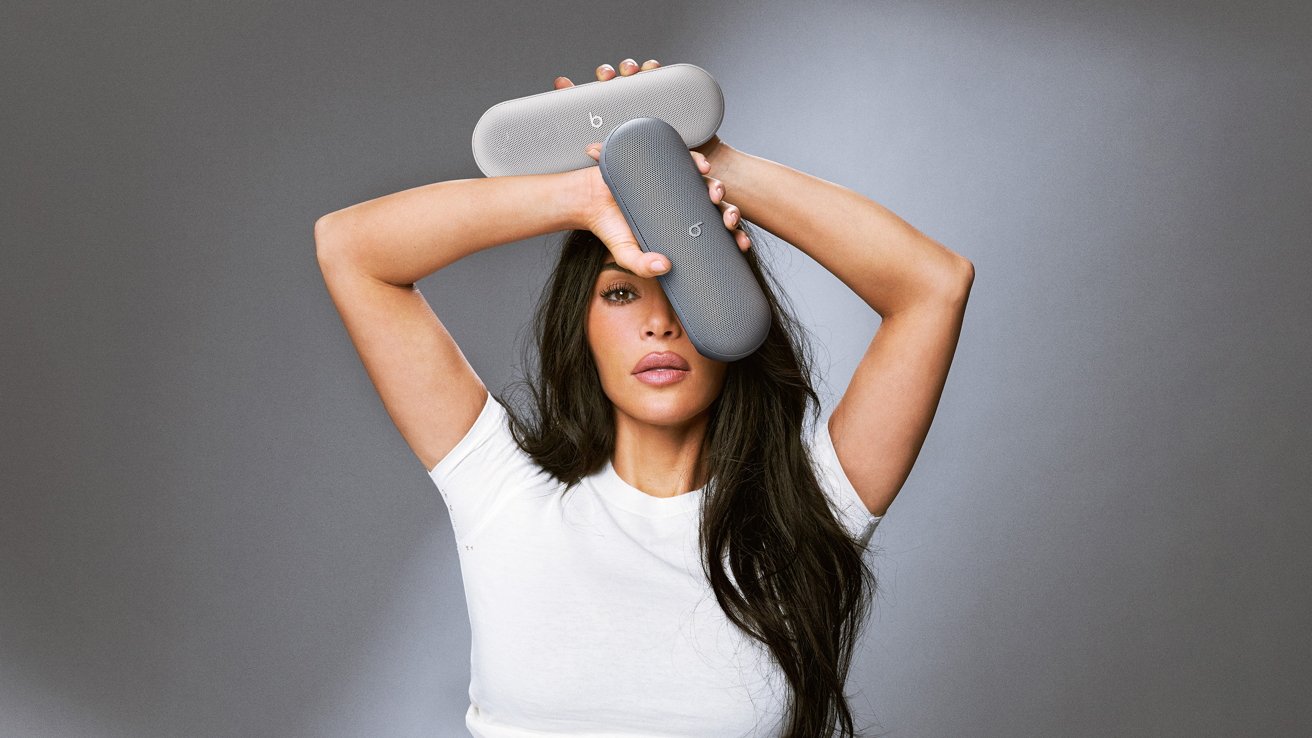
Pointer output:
x,y
574,193
722,157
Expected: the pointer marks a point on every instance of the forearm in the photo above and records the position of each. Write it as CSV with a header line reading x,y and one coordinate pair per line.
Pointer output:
x,y
881,257
405,236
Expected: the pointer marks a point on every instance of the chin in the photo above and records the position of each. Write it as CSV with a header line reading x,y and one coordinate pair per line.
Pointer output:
x,y
667,404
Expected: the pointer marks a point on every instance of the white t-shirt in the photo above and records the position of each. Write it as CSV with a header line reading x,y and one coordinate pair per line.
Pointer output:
x,y
590,613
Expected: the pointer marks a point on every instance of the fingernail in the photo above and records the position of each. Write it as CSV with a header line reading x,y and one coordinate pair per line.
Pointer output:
x,y
659,265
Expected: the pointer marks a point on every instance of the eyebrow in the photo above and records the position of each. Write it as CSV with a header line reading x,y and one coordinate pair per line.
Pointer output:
x,y
612,265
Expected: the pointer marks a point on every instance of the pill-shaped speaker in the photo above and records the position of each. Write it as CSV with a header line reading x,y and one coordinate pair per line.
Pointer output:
x,y
549,132
663,196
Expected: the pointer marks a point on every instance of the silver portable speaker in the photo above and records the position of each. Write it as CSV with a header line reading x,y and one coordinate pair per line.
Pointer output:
x,y
549,132
663,196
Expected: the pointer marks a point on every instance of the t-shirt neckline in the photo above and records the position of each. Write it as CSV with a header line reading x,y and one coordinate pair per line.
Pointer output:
x,y
630,498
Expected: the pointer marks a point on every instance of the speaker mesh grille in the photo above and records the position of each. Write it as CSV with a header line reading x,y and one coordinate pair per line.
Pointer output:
x,y
663,196
550,131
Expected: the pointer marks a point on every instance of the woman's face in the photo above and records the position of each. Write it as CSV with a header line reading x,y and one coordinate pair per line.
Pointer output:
x,y
629,317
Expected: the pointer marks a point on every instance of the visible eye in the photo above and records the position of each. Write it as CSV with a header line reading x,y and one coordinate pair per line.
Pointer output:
x,y
617,288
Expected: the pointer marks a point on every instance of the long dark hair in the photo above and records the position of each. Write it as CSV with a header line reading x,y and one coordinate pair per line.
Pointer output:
x,y
782,567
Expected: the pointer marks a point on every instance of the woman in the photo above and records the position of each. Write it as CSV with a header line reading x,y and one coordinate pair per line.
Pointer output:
x,y
591,611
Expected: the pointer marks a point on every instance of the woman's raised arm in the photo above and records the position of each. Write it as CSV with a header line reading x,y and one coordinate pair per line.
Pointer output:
x,y
371,254
405,236
918,286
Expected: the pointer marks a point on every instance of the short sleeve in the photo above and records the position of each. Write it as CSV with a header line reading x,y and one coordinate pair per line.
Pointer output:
x,y
851,509
483,471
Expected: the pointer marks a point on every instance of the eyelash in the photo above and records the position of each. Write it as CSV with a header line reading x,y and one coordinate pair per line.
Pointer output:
x,y
617,287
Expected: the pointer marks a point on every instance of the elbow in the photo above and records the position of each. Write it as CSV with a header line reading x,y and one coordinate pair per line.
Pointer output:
x,y
956,282
325,238
967,276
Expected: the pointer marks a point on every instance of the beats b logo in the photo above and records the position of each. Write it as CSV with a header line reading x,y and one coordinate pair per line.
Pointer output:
x,y
595,119
696,229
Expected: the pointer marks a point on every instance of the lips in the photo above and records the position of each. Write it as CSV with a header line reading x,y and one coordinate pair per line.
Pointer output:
x,y
661,360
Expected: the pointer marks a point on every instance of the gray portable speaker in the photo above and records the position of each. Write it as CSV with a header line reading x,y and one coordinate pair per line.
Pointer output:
x,y
663,196
549,132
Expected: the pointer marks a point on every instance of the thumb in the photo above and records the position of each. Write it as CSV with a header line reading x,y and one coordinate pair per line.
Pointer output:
x,y
631,256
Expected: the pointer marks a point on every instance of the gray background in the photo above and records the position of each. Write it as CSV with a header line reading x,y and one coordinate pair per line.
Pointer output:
x,y
210,526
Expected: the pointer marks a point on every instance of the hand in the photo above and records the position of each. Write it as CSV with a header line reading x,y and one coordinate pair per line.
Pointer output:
x,y
602,215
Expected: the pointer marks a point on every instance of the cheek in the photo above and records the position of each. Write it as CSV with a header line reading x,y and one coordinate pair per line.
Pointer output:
x,y
601,332
613,337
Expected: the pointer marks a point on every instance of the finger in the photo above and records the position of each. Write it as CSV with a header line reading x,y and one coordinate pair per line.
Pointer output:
x,y
703,164
633,258
650,64
732,216
594,150
744,241
605,72
563,82
628,66
715,188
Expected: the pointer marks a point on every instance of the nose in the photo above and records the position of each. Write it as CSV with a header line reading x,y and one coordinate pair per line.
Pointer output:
x,y
661,320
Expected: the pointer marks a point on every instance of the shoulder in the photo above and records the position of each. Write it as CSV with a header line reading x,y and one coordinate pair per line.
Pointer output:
x,y
851,510
485,470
